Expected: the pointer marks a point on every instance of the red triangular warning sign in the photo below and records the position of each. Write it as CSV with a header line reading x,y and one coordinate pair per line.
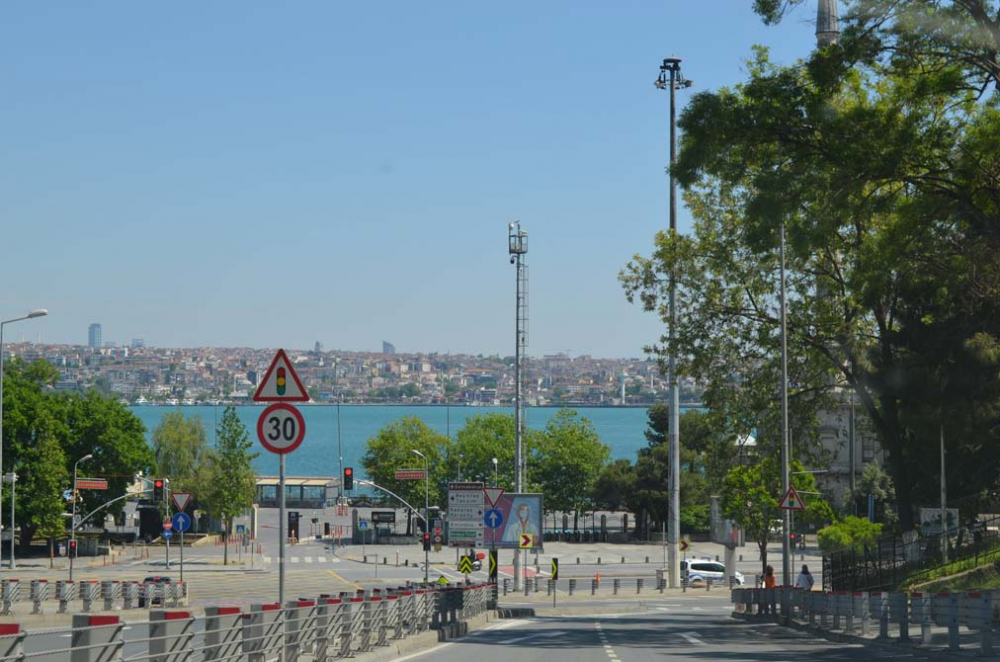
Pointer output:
x,y
791,500
280,383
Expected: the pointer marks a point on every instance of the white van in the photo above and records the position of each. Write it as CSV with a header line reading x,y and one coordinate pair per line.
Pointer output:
x,y
705,569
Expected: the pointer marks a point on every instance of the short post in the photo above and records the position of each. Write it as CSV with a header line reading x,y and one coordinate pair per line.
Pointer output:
x,y
96,639
572,586
39,593
616,584
170,636
899,608
222,633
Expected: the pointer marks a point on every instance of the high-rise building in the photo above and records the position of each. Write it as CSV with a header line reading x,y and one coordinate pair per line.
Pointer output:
x,y
138,343
94,336
388,347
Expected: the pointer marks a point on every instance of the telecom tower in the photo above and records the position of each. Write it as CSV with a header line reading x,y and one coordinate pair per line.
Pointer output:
x,y
517,245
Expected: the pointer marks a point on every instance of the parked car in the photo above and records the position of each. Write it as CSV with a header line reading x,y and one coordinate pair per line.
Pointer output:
x,y
705,569
156,601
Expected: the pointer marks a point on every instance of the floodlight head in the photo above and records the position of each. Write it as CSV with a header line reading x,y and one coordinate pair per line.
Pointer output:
x,y
38,312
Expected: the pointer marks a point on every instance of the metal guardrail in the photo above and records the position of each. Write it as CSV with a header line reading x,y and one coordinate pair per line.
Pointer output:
x,y
972,610
310,629
93,595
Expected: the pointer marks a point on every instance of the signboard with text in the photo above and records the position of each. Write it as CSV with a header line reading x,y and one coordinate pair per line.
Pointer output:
x,y
466,504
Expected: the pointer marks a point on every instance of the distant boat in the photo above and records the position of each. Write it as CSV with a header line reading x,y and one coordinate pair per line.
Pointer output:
x,y
141,401
172,402
123,402
187,402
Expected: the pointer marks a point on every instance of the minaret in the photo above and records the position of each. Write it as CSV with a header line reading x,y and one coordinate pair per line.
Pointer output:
x,y
827,24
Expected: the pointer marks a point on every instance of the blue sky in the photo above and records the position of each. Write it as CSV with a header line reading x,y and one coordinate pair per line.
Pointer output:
x,y
275,173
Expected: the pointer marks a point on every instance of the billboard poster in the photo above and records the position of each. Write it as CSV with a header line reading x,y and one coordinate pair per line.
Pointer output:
x,y
510,516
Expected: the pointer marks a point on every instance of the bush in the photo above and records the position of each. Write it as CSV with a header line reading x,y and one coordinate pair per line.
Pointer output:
x,y
850,532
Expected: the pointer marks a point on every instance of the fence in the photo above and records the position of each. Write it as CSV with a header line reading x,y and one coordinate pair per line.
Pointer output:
x,y
858,612
889,562
307,629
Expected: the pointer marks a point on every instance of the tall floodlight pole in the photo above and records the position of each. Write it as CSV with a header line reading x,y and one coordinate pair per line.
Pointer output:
x,y
40,312
517,246
670,78
427,511
786,448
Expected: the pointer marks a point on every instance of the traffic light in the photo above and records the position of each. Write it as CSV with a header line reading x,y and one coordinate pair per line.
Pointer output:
x,y
349,478
427,542
72,548
158,489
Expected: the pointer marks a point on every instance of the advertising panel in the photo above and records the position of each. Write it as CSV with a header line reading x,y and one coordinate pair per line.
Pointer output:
x,y
511,516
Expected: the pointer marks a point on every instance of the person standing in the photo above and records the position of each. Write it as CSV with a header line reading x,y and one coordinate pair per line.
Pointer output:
x,y
769,577
805,579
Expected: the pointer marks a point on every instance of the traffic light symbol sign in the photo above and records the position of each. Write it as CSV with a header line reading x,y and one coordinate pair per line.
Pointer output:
x,y
281,381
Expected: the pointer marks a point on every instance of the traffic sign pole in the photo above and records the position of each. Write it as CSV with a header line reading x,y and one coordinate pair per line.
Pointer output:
x,y
281,531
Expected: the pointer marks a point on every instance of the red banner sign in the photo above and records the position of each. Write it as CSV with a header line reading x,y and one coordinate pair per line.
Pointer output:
x,y
409,474
91,484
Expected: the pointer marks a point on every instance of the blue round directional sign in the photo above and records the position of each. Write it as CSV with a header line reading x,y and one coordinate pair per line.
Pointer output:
x,y
167,535
182,522
493,518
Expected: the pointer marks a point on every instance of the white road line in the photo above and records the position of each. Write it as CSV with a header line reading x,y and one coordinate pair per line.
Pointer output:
x,y
308,559
294,559
501,626
539,635
692,638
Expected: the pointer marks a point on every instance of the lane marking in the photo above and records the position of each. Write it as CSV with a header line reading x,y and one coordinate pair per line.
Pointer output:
x,y
500,626
691,638
357,586
539,635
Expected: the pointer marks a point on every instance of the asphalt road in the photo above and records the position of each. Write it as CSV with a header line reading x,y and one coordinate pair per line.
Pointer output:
x,y
646,637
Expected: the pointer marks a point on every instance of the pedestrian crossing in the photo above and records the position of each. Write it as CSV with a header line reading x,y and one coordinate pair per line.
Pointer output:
x,y
303,560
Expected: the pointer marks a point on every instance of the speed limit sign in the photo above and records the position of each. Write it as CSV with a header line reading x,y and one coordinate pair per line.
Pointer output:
x,y
281,428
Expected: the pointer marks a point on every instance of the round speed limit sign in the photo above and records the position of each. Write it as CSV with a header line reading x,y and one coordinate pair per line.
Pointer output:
x,y
281,428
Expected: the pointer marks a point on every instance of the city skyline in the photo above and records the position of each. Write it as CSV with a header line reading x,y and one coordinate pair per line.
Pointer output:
x,y
274,176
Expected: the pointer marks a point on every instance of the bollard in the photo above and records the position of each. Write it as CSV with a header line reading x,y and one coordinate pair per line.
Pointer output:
x,y
860,607
684,583
879,604
39,593
638,585
598,560
572,586
549,587
899,607
299,626
11,641
65,592
977,612
825,609
708,583
616,585
130,594
170,636
89,591
661,584
262,632
623,559
944,611
222,633
110,591
10,592
593,587
920,608
96,639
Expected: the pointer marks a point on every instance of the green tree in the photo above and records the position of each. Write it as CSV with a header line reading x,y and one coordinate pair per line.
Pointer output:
x,y
183,453
565,462
392,448
482,438
849,533
614,485
233,484
750,497
41,482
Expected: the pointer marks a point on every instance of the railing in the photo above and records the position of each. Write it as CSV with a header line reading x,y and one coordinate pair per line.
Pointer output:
x,y
890,562
306,629
847,610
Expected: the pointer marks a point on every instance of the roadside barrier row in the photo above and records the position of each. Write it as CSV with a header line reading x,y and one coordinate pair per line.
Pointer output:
x,y
318,629
856,612
573,586
110,595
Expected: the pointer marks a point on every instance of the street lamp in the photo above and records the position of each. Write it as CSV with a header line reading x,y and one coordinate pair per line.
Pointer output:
x,y
461,456
495,473
72,522
670,78
427,511
39,312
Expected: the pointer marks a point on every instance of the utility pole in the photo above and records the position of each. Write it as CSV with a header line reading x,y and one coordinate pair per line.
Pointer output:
x,y
786,449
944,505
670,78
517,246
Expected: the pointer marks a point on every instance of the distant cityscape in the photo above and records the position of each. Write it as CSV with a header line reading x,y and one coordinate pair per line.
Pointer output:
x,y
137,374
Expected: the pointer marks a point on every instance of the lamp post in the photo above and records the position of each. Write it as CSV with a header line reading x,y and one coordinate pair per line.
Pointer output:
x,y
670,78
495,473
427,509
12,479
39,312
72,523
461,456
